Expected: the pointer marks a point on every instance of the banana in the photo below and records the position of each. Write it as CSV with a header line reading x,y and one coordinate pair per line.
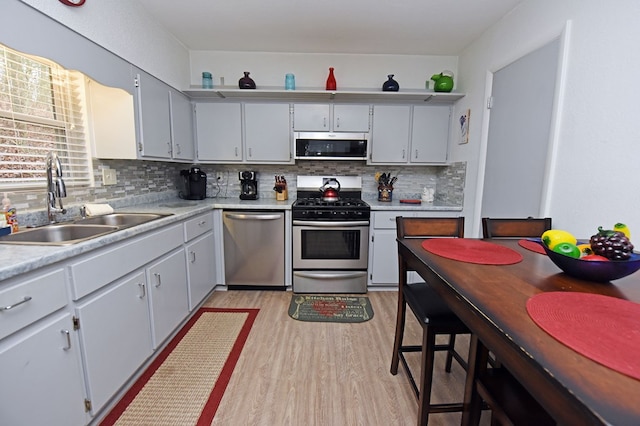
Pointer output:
x,y
621,227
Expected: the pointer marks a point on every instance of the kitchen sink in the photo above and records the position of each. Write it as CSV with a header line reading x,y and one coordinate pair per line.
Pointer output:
x,y
122,220
61,234
58,234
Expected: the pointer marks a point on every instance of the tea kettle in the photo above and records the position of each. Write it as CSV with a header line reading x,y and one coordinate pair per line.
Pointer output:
x,y
329,193
443,81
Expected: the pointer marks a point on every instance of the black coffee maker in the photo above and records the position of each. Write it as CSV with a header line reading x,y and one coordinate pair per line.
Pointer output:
x,y
248,185
192,184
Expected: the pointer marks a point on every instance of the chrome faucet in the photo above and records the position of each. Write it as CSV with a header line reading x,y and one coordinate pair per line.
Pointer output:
x,y
56,189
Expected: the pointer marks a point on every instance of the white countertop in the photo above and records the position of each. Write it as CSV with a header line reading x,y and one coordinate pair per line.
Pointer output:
x,y
19,259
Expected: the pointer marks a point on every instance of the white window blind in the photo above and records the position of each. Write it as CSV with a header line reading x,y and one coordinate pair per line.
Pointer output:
x,y
42,109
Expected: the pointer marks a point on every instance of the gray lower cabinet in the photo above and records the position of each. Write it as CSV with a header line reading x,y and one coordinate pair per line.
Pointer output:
x,y
383,249
168,302
39,353
201,260
116,338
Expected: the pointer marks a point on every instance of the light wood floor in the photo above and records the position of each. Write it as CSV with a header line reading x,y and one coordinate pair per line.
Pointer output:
x,y
303,373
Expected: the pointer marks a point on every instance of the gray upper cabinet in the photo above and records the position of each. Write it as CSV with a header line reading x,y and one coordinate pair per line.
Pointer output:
x,y
244,132
165,121
182,132
410,134
429,134
154,132
219,131
331,117
390,134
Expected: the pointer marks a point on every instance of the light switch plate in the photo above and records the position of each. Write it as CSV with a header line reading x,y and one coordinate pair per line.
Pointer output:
x,y
109,177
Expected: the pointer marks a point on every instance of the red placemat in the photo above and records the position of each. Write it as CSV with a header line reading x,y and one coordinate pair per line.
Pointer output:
x,y
602,328
472,251
532,245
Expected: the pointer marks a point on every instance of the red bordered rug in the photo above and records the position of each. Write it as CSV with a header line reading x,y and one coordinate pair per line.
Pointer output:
x,y
186,382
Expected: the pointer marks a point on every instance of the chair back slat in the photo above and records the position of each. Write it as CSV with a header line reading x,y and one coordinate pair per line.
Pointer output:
x,y
514,227
420,227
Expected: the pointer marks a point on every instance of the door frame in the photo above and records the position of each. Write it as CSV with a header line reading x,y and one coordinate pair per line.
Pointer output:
x,y
554,125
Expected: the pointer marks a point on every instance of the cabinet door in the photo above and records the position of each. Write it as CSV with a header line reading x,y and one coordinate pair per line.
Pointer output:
x,y
430,134
219,132
267,133
42,379
311,117
115,335
167,280
182,127
390,134
201,268
384,257
154,117
351,118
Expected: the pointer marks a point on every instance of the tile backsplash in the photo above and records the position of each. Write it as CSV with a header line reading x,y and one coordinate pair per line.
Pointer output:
x,y
141,182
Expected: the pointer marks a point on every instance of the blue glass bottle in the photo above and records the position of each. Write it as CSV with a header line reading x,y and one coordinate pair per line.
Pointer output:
x,y
289,82
207,80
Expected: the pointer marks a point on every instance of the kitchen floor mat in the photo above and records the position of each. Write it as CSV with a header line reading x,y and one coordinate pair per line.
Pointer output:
x,y
324,308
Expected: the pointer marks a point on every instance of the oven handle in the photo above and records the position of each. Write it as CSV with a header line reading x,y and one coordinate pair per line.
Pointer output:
x,y
241,216
329,276
320,224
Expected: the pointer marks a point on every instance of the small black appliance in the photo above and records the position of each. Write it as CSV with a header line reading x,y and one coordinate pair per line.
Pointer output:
x,y
192,184
248,185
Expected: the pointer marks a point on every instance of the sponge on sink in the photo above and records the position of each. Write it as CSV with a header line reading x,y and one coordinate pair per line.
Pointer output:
x,y
98,209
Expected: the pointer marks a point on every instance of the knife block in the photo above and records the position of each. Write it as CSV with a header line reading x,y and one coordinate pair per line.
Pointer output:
x,y
282,196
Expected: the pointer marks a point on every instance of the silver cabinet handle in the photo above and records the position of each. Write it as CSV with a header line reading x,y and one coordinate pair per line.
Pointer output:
x,y
202,223
68,335
324,122
169,147
178,148
193,256
236,151
338,122
403,154
8,307
250,155
416,154
158,279
143,290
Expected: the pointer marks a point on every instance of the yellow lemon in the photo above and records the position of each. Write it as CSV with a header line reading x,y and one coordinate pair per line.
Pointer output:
x,y
557,236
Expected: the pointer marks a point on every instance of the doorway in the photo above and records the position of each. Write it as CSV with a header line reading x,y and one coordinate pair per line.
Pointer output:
x,y
519,133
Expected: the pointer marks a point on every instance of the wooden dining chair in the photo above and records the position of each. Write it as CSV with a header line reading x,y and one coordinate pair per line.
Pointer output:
x,y
432,313
514,227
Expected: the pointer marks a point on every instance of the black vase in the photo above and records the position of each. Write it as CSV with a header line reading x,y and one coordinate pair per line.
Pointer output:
x,y
246,82
390,85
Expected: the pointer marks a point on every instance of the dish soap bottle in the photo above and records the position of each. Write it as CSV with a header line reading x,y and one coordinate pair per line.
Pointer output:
x,y
10,213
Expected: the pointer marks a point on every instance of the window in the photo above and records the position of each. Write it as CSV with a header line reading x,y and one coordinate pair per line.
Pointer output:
x,y
42,109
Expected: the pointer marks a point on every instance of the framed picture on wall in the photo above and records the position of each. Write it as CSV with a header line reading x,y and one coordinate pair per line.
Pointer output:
x,y
464,127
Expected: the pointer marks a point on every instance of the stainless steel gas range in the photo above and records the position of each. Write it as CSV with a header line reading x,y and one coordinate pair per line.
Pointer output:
x,y
330,235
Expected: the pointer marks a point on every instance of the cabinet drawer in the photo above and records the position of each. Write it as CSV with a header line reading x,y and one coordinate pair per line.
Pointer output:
x,y
198,226
31,300
105,266
387,220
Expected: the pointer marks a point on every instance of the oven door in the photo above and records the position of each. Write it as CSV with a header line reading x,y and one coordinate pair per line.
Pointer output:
x,y
330,245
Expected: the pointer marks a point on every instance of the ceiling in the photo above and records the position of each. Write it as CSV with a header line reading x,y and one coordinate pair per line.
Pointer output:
x,y
412,27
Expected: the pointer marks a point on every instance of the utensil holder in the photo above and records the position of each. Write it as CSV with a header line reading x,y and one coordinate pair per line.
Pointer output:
x,y
385,193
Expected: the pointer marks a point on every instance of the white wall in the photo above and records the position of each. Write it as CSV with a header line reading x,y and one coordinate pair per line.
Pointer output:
x,y
126,29
597,151
311,70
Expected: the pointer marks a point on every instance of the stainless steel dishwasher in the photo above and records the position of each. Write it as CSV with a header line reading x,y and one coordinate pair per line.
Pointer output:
x,y
254,249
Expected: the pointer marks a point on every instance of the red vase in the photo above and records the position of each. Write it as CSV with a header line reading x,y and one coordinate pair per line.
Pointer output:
x,y
331,80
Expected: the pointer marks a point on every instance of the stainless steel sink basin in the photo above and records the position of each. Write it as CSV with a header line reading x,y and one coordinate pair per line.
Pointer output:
x,y
62,234
57,235
122,220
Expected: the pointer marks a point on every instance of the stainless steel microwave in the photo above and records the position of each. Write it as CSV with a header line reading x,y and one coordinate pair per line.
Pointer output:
x,y
331,146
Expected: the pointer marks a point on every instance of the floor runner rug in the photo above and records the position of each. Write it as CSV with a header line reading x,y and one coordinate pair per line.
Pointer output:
x,y
185,383
321,308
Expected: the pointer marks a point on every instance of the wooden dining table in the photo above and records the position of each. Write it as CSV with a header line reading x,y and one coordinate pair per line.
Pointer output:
x,y
491,300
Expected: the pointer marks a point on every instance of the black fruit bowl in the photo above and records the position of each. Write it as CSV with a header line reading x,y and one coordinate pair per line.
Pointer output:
x,y
594,270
